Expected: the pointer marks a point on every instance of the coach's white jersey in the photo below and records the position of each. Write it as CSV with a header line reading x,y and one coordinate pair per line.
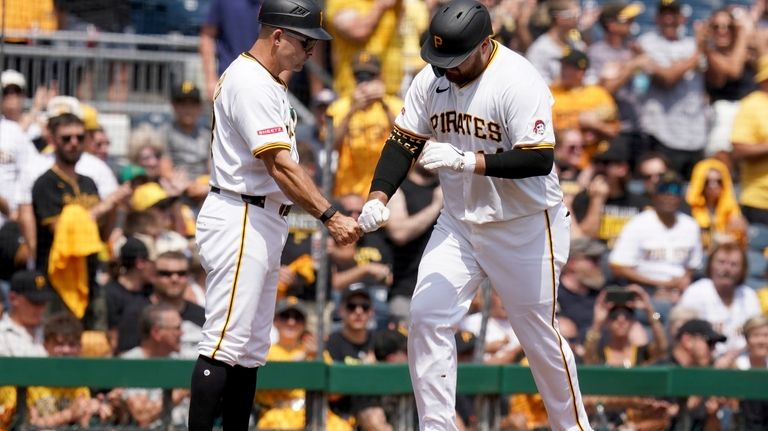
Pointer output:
x,y
251,115
508,106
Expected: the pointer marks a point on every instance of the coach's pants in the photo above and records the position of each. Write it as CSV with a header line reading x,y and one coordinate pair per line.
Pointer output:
x,y
522,259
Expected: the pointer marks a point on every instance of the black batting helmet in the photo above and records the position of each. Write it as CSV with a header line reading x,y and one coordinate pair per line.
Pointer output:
x,y
301,16
456,29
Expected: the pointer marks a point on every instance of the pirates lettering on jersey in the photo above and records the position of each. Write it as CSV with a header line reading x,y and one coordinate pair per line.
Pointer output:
x,y
466,124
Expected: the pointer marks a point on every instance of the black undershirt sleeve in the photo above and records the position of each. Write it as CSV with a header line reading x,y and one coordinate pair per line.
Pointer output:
x,y
397,156
519,163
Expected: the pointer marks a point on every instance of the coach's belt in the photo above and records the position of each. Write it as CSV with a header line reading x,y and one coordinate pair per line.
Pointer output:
x,y
259,201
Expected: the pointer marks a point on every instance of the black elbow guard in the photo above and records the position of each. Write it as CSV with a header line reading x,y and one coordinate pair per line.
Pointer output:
x,y
520,163
399,152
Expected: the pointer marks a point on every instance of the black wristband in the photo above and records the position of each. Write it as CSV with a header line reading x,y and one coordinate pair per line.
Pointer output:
x,y
324,217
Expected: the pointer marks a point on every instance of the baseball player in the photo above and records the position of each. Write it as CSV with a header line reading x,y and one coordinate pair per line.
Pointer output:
x,y
489,136
242,227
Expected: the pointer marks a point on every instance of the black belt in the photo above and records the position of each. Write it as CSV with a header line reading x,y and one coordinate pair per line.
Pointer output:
x,y
258,201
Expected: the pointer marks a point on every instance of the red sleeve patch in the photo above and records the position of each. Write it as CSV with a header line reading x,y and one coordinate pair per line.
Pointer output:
x,y
270,131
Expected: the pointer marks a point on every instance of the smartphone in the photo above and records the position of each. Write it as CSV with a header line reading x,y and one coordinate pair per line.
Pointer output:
x,y
619,295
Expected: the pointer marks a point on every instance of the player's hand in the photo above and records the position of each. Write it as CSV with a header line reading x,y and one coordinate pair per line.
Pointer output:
x,y
343,229
444,155
373,216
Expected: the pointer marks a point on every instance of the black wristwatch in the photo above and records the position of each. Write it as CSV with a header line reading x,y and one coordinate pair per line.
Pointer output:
x,y
325,216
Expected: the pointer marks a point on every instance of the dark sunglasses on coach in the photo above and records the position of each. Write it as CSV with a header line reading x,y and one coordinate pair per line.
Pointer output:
x,y
352,306
306,42
68,138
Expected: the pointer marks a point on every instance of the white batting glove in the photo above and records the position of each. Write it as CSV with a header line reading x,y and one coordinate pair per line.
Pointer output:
x,y
373,216
444,155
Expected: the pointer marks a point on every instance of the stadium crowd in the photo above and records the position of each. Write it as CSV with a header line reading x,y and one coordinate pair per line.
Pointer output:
x,y
662,154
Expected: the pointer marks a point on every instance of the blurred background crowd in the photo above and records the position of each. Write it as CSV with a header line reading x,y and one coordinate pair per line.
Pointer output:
x,y
661,117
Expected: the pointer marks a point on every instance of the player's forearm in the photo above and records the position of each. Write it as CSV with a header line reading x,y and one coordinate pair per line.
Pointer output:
x,y
294,181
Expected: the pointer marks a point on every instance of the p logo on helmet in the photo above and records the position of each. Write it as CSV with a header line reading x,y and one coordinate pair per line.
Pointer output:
x,y
437,40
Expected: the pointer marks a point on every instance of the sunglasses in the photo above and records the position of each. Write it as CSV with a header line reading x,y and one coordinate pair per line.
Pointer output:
x,y
163,273
291,314
717,26
352,306
670,188
647,177
68,138
714,182
307,43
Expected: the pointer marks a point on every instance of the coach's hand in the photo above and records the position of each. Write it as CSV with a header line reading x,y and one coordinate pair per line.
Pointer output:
x,y
373,216
343,229
444,155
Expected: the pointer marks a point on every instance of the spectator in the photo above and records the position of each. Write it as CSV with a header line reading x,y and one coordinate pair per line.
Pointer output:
x,y
581,280
171,281
160,334
131,285
188,141
722,299
362,122
604,208
729,74
651,166
353,344
66,208
370,26
25,16
755,412
286,409
712,199
750,147
547,50
577,105
569,157
413,211
146,149
14,86
61,407
21,327
97,142
170,223
620,347
693,346
674,109
660,248
230,29
616,63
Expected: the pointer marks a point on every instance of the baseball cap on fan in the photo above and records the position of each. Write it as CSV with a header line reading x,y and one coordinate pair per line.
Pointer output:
x,y
11,77
31,285
455,31
620,11
365,66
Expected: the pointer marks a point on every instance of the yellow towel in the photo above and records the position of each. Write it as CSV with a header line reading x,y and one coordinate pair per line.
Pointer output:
x,y
304,266
76,236
727,206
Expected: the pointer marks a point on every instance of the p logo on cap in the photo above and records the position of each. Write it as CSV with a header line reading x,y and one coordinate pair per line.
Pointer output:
x,y
437,40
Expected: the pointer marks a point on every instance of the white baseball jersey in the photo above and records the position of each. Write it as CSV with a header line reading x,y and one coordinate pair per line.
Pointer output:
x,y
16,156
252,115
726,319
508,106
656,251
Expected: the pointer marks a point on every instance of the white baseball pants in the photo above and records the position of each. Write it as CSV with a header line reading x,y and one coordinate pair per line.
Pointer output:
x,y
240,247
522,259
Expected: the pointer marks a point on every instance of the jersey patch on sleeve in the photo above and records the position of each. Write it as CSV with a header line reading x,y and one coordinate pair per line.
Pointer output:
x,y
539,128
270,131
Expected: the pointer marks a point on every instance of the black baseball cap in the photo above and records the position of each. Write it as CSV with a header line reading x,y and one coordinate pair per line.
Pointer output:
x,y
365,66
133,249
703,328
465,342
356,289
290,303
32,285
575,58
615,150
187,90
669,6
